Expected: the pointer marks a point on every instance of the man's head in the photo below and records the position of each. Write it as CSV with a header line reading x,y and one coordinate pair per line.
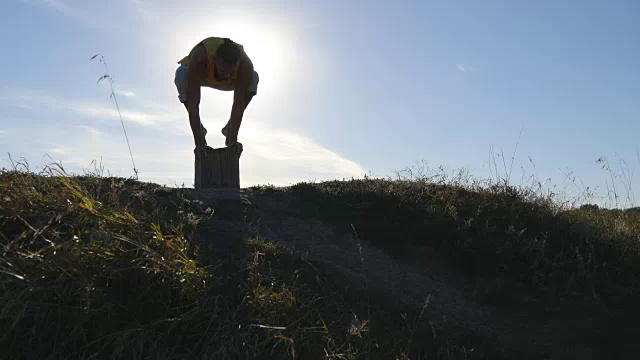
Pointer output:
x,y
227,59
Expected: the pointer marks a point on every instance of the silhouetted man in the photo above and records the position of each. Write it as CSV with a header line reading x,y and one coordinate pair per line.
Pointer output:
x,y
221,64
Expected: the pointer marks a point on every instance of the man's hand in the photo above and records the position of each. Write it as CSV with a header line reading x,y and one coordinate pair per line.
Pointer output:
x,y
200,151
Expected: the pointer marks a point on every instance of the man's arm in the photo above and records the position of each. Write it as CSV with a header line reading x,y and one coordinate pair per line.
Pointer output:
x,y
245,75
197,70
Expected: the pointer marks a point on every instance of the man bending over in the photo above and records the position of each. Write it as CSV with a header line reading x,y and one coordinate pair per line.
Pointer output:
x,y
221,64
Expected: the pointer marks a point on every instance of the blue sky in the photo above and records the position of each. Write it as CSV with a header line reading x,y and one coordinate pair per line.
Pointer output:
x,y
347,88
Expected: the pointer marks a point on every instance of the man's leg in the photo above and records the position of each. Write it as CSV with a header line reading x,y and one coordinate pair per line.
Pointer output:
x,y
247,100
251,92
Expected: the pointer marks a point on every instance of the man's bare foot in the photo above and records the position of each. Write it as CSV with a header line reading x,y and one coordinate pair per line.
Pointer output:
x,y
227,142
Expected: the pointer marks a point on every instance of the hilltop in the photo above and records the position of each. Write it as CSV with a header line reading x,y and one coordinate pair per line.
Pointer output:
x,y
102,267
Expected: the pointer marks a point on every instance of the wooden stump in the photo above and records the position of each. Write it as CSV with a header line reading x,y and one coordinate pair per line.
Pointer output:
x,y
219,169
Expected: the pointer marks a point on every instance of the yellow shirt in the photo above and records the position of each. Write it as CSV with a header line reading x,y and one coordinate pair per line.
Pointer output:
x,y
211,45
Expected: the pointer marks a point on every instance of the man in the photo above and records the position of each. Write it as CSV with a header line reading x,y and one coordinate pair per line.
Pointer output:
x,y
221,64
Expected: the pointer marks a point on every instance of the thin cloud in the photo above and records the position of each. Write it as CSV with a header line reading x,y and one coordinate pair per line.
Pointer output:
x,y
28,99
61,150
66,9
71,12
464,68
93,20
143,9
137,117
126,93
90,129
272,156
282,157
277,157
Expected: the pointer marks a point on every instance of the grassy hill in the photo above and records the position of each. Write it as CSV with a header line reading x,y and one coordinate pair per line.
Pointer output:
x,y
97,267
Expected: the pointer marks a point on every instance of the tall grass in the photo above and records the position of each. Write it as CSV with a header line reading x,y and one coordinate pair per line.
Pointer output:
x,y
88,267
487,228
100,267
103,267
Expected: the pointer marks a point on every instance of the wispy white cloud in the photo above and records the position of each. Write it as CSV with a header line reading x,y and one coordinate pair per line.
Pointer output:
x,y
69,11
126,93
60,150
7,131
90,129
275,156
281,157
29,99
463,67
143,9
95,19
65,9
138,117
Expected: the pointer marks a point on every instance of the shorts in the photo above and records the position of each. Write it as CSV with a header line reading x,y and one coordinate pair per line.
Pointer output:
x,y
182,74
